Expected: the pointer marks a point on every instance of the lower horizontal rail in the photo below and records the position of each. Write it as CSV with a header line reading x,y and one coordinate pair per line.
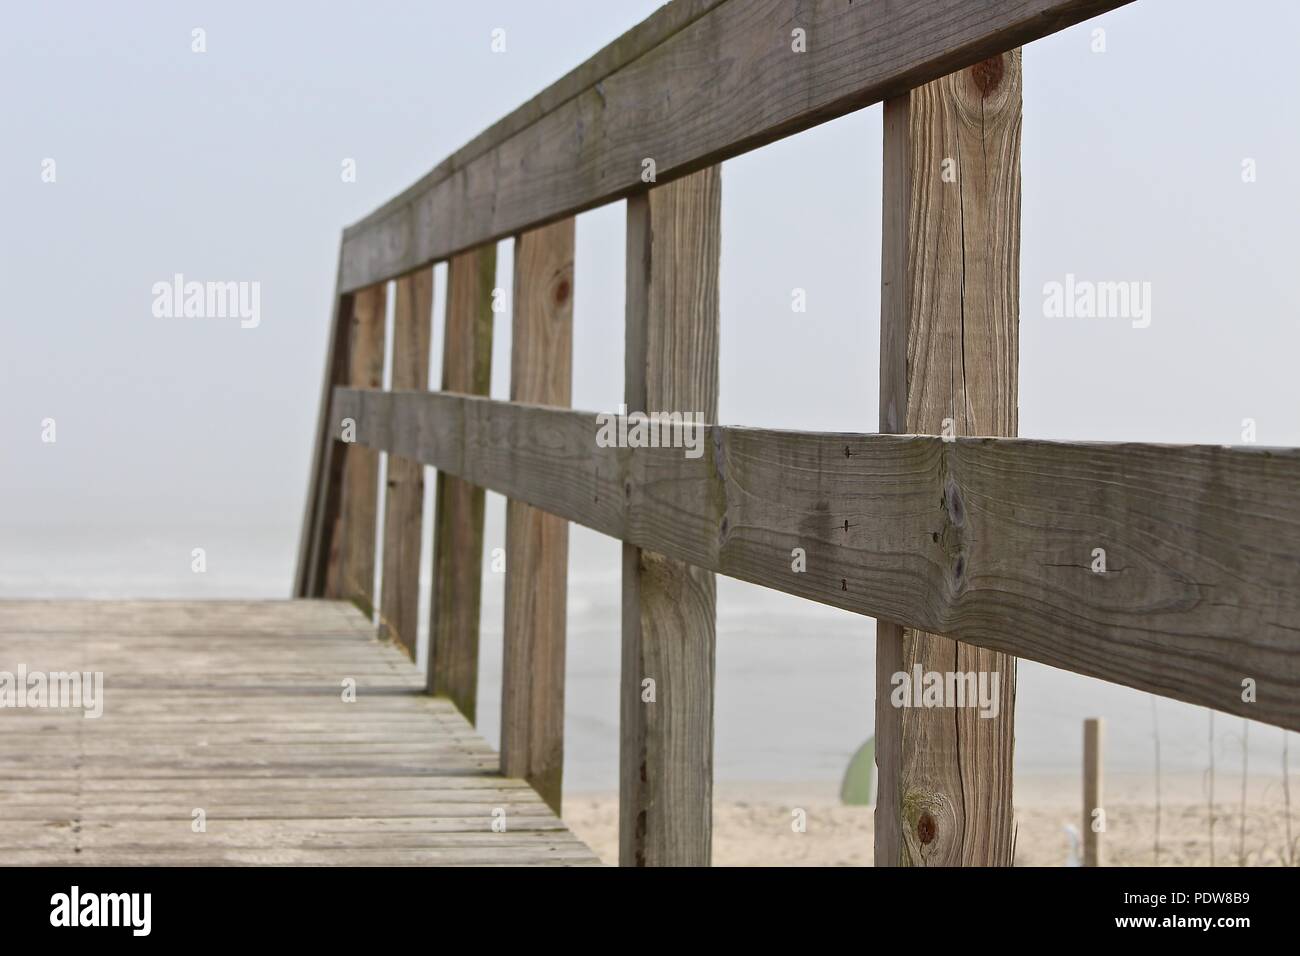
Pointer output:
x,y
1171,569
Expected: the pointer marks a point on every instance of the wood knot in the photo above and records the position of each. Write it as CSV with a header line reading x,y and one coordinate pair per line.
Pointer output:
x,y
563,289
953,503
926,828
987,74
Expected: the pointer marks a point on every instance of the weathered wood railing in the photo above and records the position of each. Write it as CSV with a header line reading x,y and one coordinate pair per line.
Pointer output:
x,y
989,541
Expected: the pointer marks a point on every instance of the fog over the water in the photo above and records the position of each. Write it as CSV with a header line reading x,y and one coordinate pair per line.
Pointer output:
x,y
177,433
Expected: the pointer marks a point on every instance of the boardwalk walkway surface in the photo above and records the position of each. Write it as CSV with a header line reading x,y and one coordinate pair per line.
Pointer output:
x,y
237,709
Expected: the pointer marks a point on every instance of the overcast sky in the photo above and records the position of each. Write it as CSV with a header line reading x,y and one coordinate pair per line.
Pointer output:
x,y
225,165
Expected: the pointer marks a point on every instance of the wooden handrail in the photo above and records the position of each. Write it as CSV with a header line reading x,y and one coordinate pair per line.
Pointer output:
x,y
990,540
697,83
1171,569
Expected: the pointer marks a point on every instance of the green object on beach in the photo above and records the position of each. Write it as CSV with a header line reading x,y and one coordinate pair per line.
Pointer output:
x,y
857,789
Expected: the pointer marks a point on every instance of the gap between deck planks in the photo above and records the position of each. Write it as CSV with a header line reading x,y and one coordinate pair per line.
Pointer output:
x,y
236,708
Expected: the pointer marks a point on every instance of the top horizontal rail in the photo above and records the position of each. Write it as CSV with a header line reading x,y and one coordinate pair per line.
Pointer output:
x,y
698,82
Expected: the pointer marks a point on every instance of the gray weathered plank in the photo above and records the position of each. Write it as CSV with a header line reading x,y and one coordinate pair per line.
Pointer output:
x,y
458,506
350,572
289,774
643,37
949,343
537,543
671,364
720,80
987,539
320,505
404,503
136,617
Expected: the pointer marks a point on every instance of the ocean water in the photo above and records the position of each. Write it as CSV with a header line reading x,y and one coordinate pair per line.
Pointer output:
x,y
795,679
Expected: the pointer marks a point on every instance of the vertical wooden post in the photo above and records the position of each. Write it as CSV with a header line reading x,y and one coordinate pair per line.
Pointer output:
x,y
1093,729
404,504
320,506
949,346
537,543
458,507
350,572
666,744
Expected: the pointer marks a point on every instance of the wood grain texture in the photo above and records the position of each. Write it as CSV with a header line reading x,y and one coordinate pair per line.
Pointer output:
x,y
671,364
350,573
643,37
949,349
537,543
404,502
236,708
458,505
986,539
723,83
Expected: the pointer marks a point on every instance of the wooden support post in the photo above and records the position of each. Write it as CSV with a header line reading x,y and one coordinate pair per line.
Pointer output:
x,y
666,708
458,507
1094,813
949,347
320,507
537,543
350,572
404,504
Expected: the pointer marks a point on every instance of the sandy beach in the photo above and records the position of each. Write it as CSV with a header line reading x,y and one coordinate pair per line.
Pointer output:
x,y
752,823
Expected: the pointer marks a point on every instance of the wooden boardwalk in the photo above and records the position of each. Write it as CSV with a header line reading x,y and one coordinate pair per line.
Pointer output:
x,y
1171,569
236,709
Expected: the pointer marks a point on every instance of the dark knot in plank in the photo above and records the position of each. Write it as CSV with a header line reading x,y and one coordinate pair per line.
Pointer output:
x,y
987,74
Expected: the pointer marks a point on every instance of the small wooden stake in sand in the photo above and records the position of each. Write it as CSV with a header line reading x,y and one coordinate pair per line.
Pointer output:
x,y
1094,816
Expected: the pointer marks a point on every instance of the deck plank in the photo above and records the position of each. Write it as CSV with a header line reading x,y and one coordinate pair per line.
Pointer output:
x,y
236,708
